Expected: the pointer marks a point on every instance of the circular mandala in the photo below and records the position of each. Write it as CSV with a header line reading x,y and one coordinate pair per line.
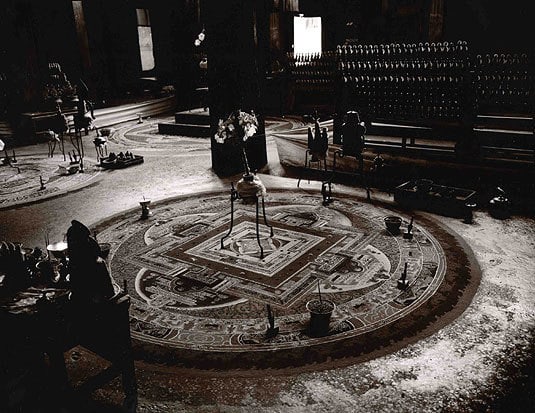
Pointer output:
x,y
21,183
148,136
204,280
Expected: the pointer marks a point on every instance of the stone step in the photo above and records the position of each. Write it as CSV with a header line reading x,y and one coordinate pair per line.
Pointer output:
x,y
513,122
184,129
501,135
193,117
506,138
5,129
111,116
411,131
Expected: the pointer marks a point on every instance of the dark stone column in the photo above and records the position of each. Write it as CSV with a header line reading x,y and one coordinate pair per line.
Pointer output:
x,y
233,77
436,20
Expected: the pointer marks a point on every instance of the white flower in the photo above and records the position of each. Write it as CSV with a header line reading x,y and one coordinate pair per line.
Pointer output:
x,y
250,130
239,126
197,42
201,36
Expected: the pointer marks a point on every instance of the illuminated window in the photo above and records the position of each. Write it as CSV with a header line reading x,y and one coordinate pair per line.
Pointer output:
x,y
307,34
144,34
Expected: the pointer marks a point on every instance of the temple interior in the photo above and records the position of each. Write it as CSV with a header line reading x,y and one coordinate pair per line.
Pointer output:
x,y
267,206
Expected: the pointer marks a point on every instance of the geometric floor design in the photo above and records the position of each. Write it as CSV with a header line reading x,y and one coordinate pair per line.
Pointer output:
x,y
21,183
148,137
188,293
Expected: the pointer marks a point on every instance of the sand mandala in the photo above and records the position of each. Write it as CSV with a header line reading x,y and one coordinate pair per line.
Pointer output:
x,y
147,136
189,293
20,184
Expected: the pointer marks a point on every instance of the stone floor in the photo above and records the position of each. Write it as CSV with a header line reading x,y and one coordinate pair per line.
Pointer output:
x,y
480,361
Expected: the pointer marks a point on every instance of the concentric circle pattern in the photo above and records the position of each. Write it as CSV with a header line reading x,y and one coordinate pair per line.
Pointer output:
x,y
20,183
190,293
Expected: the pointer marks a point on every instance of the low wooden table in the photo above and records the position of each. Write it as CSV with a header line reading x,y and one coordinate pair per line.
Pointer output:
x,y
444,200
36,122
44,321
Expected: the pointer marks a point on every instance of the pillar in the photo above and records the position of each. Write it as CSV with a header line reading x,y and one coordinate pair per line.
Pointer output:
x,y
234,77
436,20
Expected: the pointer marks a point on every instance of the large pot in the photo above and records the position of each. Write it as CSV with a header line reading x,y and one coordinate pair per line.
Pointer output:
x,y
320,316
393,223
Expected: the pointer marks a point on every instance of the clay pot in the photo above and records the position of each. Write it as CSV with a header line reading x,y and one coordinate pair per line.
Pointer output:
x,y
320,316
104,249
500,207
393,223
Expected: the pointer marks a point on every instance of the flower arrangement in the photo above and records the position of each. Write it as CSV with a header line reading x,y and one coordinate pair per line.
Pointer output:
x,y
55,91
200,38
237,128
57,86
201,55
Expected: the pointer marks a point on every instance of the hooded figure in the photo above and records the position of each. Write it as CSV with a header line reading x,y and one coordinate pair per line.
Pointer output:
x,y
353,131
89,277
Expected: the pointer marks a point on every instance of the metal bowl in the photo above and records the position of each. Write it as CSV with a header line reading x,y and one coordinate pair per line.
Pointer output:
x,y
393,223
58,249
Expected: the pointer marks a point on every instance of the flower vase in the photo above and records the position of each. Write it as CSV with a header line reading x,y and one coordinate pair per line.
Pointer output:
x,y
249,187
247,176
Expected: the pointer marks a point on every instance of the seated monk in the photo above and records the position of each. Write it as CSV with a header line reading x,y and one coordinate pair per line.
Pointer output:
x,y
90,281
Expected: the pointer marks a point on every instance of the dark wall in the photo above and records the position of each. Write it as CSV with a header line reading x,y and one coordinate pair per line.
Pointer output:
x,y
36,32
486,25
113,47
369,21
491,26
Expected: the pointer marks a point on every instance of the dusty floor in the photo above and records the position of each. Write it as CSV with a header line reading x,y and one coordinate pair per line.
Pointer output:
x,y
482,361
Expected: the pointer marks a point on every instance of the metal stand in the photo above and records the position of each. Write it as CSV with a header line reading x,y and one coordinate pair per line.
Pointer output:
x,y
308,162
234,195
340,153
326,186
62,145
52,146
326,192
101,149
78,144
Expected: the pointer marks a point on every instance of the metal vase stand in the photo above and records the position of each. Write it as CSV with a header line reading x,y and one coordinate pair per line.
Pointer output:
x,y
234,195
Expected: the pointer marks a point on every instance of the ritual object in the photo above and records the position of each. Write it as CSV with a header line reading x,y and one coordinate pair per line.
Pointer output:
x,y
500,205
121,160
272,331
408,234
320,315
145,210
403,282
58,249
326,192
393,223
469,216
42,183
